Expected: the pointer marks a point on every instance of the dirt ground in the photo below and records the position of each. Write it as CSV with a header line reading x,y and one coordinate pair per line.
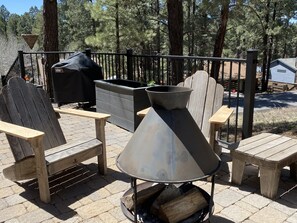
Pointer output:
x,y
278,120
275,120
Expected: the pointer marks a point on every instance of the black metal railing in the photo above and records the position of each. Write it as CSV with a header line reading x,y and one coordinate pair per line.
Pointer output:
x,y
232,74
158,68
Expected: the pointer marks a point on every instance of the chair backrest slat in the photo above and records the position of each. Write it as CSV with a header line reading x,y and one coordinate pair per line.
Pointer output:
x,y
208,107
21,147
30,107
206,98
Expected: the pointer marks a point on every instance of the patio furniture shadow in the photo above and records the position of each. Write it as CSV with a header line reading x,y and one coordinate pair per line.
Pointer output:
x,y
69,187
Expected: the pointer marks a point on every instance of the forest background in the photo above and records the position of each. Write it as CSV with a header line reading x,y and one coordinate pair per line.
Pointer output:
x,y
220,28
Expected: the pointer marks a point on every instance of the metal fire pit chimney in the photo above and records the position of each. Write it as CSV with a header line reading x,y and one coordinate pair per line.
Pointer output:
x,y
168,146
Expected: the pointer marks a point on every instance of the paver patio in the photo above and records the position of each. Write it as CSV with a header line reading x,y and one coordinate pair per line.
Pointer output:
x,y
87,197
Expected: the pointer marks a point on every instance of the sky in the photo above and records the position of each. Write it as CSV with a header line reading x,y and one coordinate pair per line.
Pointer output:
x,y
20,6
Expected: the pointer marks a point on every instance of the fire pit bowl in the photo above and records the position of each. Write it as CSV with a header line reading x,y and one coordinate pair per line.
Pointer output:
x,y
168,97
143,211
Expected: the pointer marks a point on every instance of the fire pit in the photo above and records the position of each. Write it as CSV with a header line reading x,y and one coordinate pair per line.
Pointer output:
x,y
146,214
168,150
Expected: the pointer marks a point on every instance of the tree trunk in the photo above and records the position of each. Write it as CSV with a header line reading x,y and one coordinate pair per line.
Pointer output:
x,y
175,30
189,30
158,36
265,46
117,26
193,28
50,18
202,43
271,38
220,38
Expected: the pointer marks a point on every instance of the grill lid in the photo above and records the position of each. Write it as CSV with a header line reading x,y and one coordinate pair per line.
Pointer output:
x,y
168,146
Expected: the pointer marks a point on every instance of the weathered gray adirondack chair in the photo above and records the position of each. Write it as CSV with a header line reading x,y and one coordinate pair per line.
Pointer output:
x,y
36,138
205,105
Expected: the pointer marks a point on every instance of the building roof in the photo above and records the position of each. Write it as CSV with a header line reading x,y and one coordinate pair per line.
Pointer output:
x,y
288,62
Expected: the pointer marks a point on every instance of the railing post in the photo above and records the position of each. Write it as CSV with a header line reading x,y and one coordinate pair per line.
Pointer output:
x,y
22,63
88,52
249,93
129,64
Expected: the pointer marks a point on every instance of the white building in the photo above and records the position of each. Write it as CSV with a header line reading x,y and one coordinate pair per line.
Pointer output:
x,y
284,70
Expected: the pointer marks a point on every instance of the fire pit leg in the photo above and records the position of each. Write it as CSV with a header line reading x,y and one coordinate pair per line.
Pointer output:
x,y
134,187
211,195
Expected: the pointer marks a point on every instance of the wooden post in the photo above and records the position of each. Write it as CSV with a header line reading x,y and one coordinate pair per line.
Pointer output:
x,y
249,93
22,63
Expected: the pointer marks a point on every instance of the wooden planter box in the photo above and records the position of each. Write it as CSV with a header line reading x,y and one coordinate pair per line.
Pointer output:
x,y
122,99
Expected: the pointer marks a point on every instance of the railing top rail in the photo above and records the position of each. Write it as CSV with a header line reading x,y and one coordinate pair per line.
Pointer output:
x,y
49,52
178,57
147,56
119,54
192,57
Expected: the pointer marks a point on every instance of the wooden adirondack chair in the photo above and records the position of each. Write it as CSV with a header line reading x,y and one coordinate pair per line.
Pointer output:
x,y
205,105
36,138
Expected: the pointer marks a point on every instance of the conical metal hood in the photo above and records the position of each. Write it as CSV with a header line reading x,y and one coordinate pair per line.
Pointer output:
x,y
168,146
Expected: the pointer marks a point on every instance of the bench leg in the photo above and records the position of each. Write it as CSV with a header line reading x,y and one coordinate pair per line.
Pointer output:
x,y
293,170
237,171
269,180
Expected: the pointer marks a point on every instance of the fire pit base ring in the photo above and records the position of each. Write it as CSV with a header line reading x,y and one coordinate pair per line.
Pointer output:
x,y
145,216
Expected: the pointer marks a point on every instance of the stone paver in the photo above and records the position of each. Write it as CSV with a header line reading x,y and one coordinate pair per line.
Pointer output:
x,y
292,218
248,207
107,217
36,216
227,197
94,209
5,192
268,214
284,207
3,204
90,198
12,212
15,199
256,200
236,213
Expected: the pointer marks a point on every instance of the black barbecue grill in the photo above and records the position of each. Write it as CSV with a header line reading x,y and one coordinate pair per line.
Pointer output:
x,y
73,79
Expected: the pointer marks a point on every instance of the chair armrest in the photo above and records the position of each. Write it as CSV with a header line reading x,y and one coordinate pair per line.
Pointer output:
x,y
35,138
82,113
143,112
221,116
20,131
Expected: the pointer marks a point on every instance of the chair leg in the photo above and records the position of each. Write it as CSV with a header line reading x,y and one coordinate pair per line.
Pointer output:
x,y
100,134
237,170
44,191
41,169
269,180
102,167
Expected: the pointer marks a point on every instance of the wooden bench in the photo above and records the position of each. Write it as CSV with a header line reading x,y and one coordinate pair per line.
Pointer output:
x,y
271,153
